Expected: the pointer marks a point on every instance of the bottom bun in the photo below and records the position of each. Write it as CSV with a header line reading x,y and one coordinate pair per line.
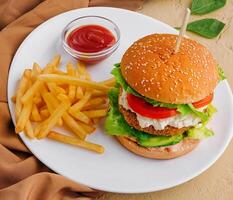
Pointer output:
x,y
163,153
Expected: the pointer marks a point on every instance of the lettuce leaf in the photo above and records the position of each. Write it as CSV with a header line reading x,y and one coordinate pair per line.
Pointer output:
x,y
221,74
184,109
115,124
199,133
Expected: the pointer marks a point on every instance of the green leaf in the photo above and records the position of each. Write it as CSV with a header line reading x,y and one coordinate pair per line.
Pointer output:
x,y
204,117
221,74
199,133
120,80
209,28
201,7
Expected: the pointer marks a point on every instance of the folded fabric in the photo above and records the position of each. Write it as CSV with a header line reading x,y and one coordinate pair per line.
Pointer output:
x,y
22,176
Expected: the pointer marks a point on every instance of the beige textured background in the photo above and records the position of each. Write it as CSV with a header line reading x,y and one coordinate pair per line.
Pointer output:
x,y
217,182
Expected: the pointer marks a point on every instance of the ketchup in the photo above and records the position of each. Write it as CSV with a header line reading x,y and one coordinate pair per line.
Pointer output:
x,y
90,39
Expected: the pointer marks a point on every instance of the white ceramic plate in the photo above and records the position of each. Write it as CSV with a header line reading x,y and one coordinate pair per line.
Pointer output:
x,y
117,170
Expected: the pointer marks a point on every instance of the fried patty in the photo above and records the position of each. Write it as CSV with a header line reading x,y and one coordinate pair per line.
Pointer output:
x,y
131,119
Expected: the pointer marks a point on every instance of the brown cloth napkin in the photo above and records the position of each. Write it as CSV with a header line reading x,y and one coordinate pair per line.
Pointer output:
x,y
22,176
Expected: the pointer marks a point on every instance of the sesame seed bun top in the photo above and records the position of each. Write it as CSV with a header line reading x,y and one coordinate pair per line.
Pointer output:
x,y
151,68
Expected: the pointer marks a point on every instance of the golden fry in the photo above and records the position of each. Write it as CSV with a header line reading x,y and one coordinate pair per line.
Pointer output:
x,y
96,113
31,92
80,116
78,106
58,71
53,119
29,130
51,103
23,86
56,61
48,69
44,113
91,104
35,114
63,79
55,89
83,73
74,126
79,93
97,93
76,142
89,128
23,117
63,97
36,70
72,88
37,100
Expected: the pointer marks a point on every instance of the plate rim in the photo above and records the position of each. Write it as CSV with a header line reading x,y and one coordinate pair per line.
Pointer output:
x,y
181,180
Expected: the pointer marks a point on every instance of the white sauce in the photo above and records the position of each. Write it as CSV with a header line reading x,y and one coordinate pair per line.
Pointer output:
x,y
177,121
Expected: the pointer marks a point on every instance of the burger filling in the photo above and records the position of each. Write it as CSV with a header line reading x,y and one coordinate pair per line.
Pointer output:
x,y
178,121
158,114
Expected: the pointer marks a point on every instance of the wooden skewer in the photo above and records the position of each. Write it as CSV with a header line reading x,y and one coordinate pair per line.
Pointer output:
x,y
182,30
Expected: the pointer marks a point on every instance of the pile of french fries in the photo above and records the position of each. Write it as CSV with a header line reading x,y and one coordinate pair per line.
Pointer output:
x,y
50,97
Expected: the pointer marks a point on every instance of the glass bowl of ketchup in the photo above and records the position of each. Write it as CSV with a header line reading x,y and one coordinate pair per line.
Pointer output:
x,y
91,39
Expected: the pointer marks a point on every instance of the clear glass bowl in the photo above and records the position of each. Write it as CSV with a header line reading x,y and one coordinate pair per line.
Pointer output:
x,y
91,20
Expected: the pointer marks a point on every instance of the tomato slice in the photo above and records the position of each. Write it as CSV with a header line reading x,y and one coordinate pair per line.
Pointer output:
x,y
203,102
143,108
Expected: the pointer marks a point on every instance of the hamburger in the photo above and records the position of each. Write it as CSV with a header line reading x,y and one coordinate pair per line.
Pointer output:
x,y
161,103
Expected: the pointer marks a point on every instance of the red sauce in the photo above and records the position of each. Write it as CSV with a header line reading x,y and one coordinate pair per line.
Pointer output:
x,y
90,39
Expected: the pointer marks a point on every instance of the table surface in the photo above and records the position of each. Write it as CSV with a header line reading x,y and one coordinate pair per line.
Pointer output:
x,y
217,181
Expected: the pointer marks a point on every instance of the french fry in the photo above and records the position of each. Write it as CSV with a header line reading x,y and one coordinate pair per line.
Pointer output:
x,y
37,129
44,113
51,103
31,92
53,119
96,113
43,89
23,117
72,88
36,70
80,116
91,104
109,82
37,100
63,97
74,126
55,89
68,120
35,114
79,92
23,86
58,71
81,68
97,93
63,79
76,142
29,130
78,106
87,127
56,61
48,69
